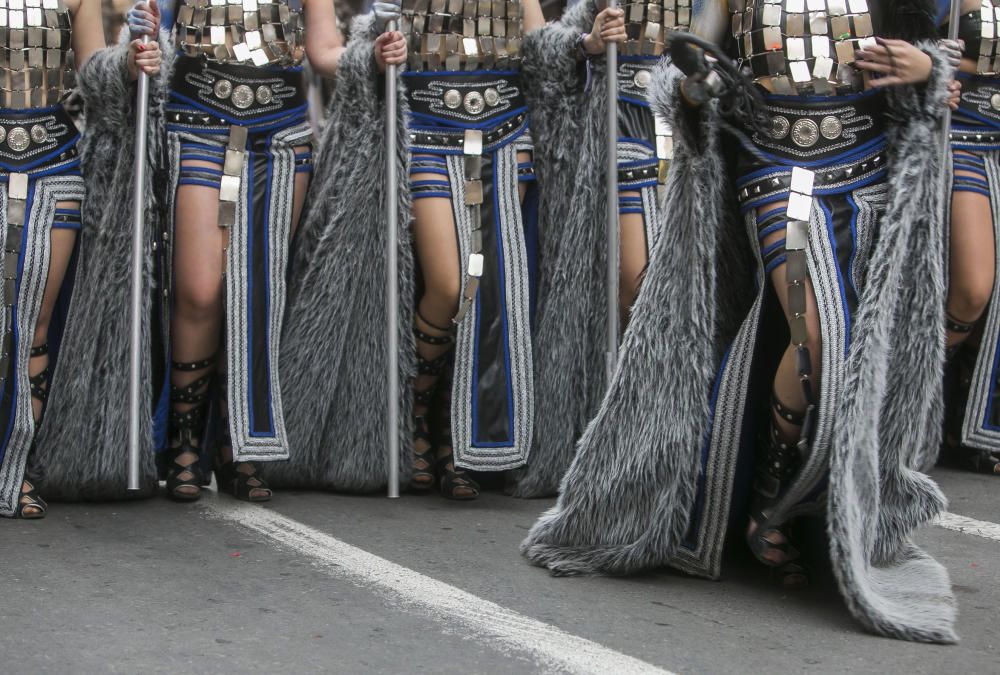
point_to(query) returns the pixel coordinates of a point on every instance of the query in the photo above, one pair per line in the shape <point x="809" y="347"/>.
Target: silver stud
<point x="805" y="133"/>
<point x="18" y="139"/>
<point x="243" y="97"/>
<point x="830" y="127"/>
<point x="223" y="89"/>
<point x="474" y="103"/>
<point x="452" y="99"/>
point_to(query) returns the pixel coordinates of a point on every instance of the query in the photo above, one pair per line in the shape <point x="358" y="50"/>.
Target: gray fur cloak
<point x="629" y="497"/>
<point x="568" y="126"/>
<point x="333" y="356"/>
<point x="83" y="441"/>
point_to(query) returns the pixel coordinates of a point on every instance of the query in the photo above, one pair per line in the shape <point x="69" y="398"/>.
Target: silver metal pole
<point x="391" y="277"/>
<point x="138" y="256"/>
<point x="611" y="58"/>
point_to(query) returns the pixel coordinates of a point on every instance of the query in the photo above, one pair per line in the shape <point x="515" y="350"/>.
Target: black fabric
<point x="61" y="134"/>
<point x="426" y="96"/>
<point x="969" y="29"/>
<point x="288" y="90"/>
<point x="635" y="121"/>
<point x="492" y="412"/>
<point x="260" y="220"/>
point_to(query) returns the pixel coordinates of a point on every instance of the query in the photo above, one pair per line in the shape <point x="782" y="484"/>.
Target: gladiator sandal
<point x="424" y="476"/>
<point x="959" y="367"/>
<point x="243" y="480"/>
<point x="185" y="479"/>
<point x="31" y="506"/>
<point x="455" y="483"/>
<point x="776" y="468"/>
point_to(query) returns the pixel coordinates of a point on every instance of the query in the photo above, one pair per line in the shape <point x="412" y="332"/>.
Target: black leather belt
<point x="25" y="136"/>
<point x="464" y="98"/>
<point x="238" y="91"/>
<point x="819" y="129"/>
<point x="829" y="178"/>
<point x="447" y="139"/>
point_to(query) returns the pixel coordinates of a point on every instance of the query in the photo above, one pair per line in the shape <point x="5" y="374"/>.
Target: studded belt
<point x="826" y="180"/>
<point x="238" y="91"/>
<point x="818" y="129"/>
<point x="25" y="137"/>
<point x="463" y="98"/>
<point x="454" y="140"/>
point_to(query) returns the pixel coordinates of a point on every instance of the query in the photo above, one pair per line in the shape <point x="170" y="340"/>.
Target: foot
<point x="455" y="483"/>
<point x="30" y="506"/>
<point x="771" y="547"/>
<point x="243" y="481"/>
<point x="184" y="478"/>
<point x="259" y="491"/>
<point x="423" y="476"/>
<point x="774" y="549"/>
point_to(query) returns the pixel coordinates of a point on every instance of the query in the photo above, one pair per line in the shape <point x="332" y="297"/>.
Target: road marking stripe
<point x="492" y="624"/>
<point x="978" y="528"/>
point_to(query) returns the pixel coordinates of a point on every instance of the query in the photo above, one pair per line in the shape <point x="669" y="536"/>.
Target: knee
<point x="442" y="297"/>
<point x="198" y="302"/>
<point x="967" y="299"/>
<point x="628" y="290"/>
<point x="41" y="335"/>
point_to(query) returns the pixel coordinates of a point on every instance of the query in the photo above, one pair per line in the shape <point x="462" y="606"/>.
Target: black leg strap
<point x="443" y="329"/>
<point x="39" y="383"/>
<point x="953" y="325"/>
<point x="785" y="413"/>
<point x="194" y="365"/>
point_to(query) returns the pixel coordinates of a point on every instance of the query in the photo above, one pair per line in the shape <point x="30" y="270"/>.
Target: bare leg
<point x="787" y="386"/>
<point x="198" y="304"/>
<point x="437" y="251"/>
<point x="634" y="256"/>
<point x="973" y="257"/>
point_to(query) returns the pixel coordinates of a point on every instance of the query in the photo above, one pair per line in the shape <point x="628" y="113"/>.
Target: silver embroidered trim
<point x="519" y="333"/>
<point x="36" y="246"/>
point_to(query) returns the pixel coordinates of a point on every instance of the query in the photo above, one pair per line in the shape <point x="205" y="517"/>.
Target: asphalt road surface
<point x="323" y="583"/>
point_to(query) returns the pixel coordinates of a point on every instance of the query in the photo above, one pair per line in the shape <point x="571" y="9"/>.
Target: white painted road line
<point x="553" y="648"/>
<point x="978" y="528"/>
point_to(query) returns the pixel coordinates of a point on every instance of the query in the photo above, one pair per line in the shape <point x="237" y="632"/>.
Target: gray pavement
<point x="158" y="587"/>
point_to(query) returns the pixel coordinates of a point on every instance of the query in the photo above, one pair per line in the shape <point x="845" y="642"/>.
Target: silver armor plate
<point x="802" y="47"/>
<point x="249" y="32"/>
<point x="36" y="62"/>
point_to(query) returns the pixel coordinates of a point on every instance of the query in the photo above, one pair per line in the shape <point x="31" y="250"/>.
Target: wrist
<point x="590" y="46"/>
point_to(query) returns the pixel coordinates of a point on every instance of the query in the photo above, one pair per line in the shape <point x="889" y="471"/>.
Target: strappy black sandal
<point x="775" y="469"/>
<point x="184" y="481"/>
<point x="247" y="486"/>
<point x="454" y="483"/>
<point x="30" y="505"/>
<point x="959" y="367"/>
<point x="39" y="383"/>
<point x="30" y="499"/>
<point x="424" y="474"/>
